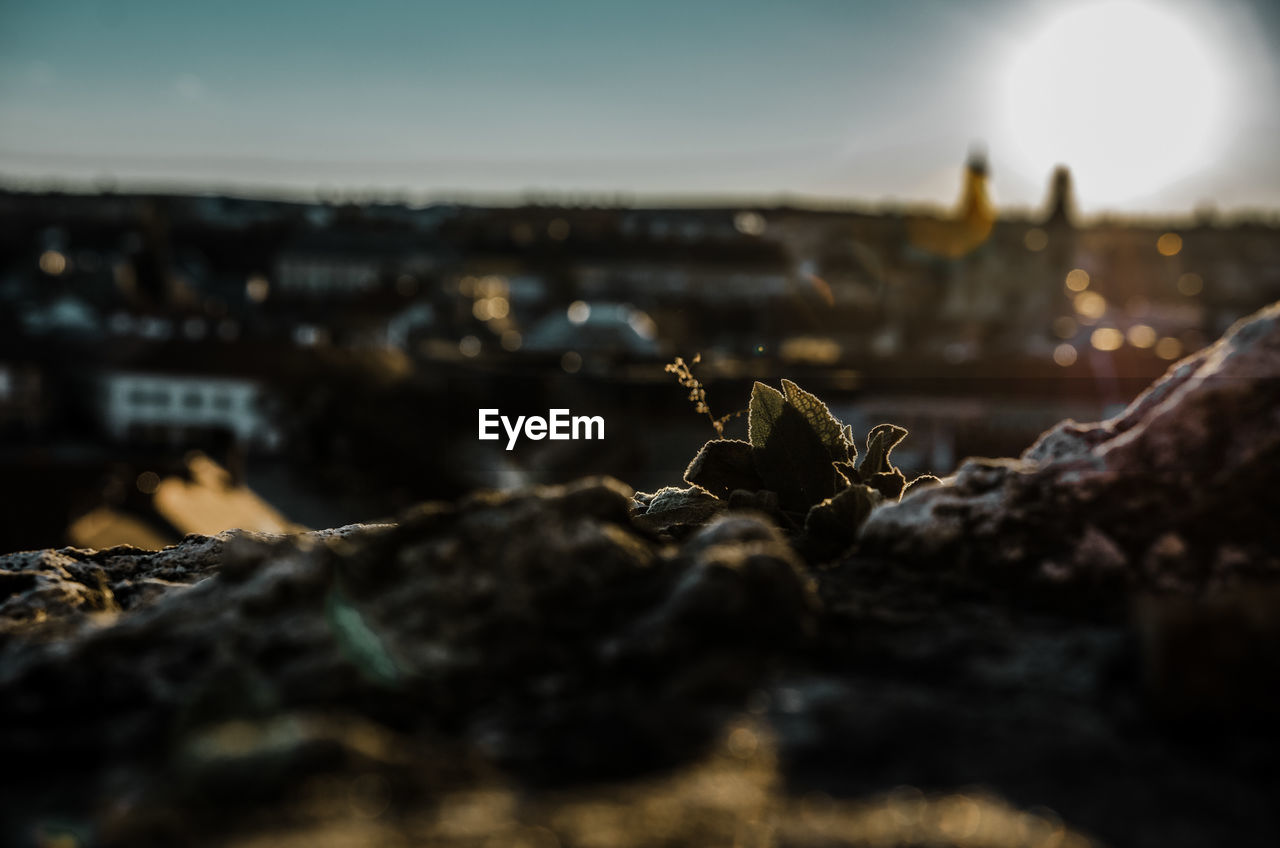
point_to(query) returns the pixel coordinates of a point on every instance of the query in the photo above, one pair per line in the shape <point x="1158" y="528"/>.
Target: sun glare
<point x="1123" y="92"/>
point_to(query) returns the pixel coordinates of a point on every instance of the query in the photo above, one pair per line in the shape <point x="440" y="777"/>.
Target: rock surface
<point x="1076" y="646"/>
<point x="1180" y="491"/>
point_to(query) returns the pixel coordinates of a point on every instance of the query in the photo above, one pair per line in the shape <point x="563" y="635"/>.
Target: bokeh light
<point x="148" y="482"/>
<point x="1078" y="280"/>
<point x="256" y="288"/>
<point x="522" y="233"/>
<point x="1065" y="355"/>
<point x="1141" y="335"/>
<point x="1168" y="348"/>
<point x="571" y="362"/>
<point x="1106" y="339"/>
<point x="1090" y="304"/>
<point x="1190" y="284"/>
<point x="749" y="223"/>
<point x="558" y="229"/>
<point x="53" y="263"/>
<point x="1169" y="244"/>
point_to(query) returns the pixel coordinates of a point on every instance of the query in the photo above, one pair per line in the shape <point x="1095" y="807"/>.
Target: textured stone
<point x="494" y="622"/>
<point x="1152" y="497"/>
<point x="559" y="666"/>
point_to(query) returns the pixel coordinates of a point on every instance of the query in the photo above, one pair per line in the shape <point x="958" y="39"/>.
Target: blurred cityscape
<point x="174" y="364"/>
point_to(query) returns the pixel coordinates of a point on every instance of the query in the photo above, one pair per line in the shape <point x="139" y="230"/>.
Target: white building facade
<point x="132" y="401"/>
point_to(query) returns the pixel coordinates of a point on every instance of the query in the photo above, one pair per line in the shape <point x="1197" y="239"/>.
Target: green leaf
<point x="824" y="424"/>
<point x="794" y="462"/>
<point x="924" y="481"/>
<point x="888" y="483"/>
<point x="838" y="519"/>
<point x="671" y="497"/>
<point x="672" y="507"/>
<point x="762" y="413"/>
<point x="880" y="442"/>
<point x="853" y="445"/>
<point x="848" y="472"/>
<point x="722" y="466"/>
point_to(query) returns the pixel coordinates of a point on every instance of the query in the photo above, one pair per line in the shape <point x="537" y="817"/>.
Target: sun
<point x="1126" y="94"/>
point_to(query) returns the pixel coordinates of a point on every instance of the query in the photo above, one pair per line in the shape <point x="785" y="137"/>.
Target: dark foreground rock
<point x="1077" y="646"/>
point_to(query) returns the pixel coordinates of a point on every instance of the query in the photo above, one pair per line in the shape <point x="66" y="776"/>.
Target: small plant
<point x="697" y="392"/>
<point x="799" y="464"/>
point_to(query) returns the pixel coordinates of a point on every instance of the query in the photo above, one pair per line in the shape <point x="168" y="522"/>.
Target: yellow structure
<point x="970" y="226"/>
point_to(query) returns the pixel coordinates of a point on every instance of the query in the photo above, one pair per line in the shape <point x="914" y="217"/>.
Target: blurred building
<point x="332" y="263"/>
<point x="185" y="408"/>
<point x="330" y="342"/>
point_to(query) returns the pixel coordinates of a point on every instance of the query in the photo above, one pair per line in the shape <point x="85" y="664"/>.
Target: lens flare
<point x="1106" y="88"/>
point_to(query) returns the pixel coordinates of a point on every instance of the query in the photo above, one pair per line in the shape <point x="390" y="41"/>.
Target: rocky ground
<point x="1078" y="646"/>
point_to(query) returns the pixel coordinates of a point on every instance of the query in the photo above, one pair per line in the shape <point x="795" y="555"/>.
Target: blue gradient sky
<point x="869" y="101"/>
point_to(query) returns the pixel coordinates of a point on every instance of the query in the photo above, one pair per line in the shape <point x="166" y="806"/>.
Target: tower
<point x="976" y="208"/>
<point x="1061" y="206"/>
<point x="957" y="235"/>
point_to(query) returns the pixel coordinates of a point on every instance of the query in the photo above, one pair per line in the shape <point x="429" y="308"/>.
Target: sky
<point x="646" y="101"/>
